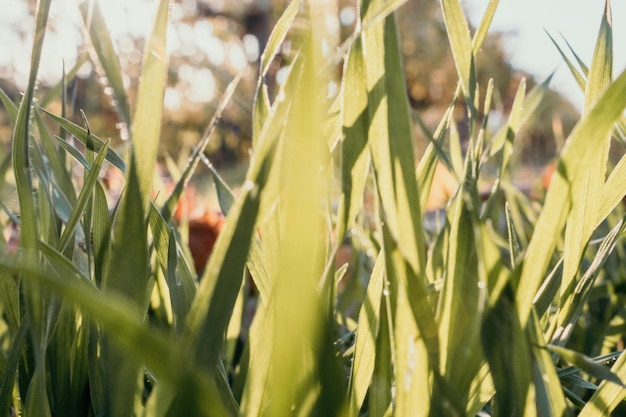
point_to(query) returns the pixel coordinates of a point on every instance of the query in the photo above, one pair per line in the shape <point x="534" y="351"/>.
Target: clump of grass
<point x="102" y="313"/>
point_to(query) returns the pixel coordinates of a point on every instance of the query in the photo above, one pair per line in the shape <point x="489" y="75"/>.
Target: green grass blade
<point x="88" y="139"/>
<point x="483" y="27"/>
<point x="378" y="11"/>
<point x="83" y="198"/>
<point x="56" y="91"/>
<point x="461" y="43"/>
<point x="146" y="127"/>
<point x="181" y="285"/>
<point x="584" y="144"/>
<point x="508" y="354"/>
<point x="14" y="355"/>
<point x="580" y="79"/>
<point x="212" y="306"/>
<point x="355" y="159"/>
<point x="574" y="302"/>
<point x="73" y="152"/>
<point x="21" y="137"/>
<point x="581" y="221"/>
<point x="601" y="69"/>
<point x="586" y="364"/>
<point x="128" y="274"/>
<point x="609" y="395"/>
<point x="365" y="348"/>
<point x="106" y="57"/>
<point x="101" y="229"/>
<point x="10" y="107"/>
<point x="550" y="399"/>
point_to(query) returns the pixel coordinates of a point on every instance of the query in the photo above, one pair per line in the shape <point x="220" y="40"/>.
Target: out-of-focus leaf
<point x="106" y="57"/>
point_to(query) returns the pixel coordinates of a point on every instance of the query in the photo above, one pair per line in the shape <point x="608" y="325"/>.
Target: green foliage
<point x="509" y="306"/>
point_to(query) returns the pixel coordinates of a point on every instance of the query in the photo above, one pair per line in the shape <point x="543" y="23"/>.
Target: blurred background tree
<point x="210" y="41"/>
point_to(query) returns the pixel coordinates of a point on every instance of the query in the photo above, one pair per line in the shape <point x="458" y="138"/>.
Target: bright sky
<point x="577" y="21"/>
<point x="524" y="21"/>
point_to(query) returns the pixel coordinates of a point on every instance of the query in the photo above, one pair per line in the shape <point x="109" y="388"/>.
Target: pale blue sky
<point x="529" y="47"/>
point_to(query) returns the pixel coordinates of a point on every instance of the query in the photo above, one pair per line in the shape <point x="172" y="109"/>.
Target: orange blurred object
<point x="203" y="232"/>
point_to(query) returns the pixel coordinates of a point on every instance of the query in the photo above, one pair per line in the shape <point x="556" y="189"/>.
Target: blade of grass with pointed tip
<point x="146" y="126"/>
<point x="55" y="92"/>
<point x="483" y="28"/>
<point x="274" y="42"/>
<point x="586" y="198"/>
<point x="461" y="44"/>
<point x="580" y="79"/>
<point x="434" y="153"/>
<point x="584" y="144"/>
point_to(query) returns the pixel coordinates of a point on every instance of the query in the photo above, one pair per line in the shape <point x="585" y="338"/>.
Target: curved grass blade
<point x="91" y="141"/>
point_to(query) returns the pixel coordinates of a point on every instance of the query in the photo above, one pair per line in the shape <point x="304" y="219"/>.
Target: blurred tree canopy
<point x="211" y="41"/>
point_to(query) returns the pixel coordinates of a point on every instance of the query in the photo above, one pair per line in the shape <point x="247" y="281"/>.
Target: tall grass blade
<point x="585" y="199"/>
<point x="146" y="127"/>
